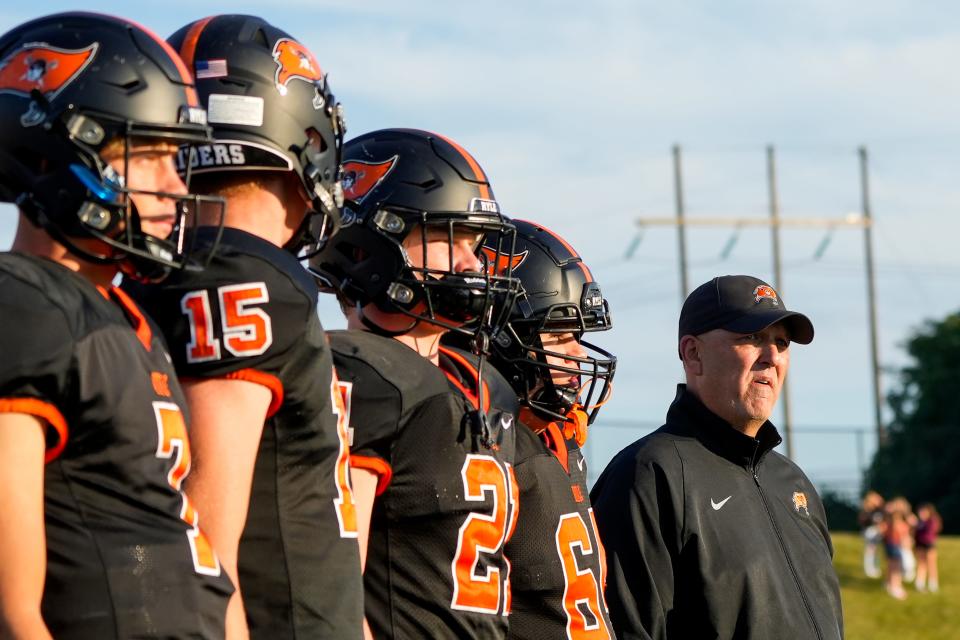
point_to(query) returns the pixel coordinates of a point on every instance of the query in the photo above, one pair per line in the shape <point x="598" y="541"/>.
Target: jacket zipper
<point x="783" y="548"/>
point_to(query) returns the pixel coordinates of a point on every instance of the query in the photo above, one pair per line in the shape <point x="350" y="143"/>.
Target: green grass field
<point x="870" y="614"/>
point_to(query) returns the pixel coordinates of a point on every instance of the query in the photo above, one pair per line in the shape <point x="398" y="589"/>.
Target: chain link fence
<point x="833" y="457"/>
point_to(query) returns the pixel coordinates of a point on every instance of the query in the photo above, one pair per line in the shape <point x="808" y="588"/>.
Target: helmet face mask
<point x="95" y="83"/>
<point x="433" y="287"/>
<point x="417" y="204"/>
<point x="536" y="367"/>
<point x="111" y="215"/>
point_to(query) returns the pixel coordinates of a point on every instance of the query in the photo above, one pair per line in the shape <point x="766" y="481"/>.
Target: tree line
<point x="920" y="457"/>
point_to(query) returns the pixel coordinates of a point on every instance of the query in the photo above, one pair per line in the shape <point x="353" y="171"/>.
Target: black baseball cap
<point x="742" y="304"/>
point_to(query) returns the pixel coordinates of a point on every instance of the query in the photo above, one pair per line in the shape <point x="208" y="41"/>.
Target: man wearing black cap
<point x="710" y="533"/>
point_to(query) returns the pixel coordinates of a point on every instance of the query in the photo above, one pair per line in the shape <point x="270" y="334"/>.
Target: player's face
<point x="150" y="168"/>
<point x="742" y="374"/>
<point x="563" y="347"/>
<point x="438" y="253"/>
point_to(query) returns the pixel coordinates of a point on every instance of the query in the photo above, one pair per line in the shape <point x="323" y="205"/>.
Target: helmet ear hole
<point x="314" y="138"/>
<point x="100" y="218"/>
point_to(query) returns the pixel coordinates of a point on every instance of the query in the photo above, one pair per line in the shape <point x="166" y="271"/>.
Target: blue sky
<point x="572" y="108"/>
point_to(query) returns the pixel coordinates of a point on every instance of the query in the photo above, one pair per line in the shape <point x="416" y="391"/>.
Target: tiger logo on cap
<point x="765" y="292"/>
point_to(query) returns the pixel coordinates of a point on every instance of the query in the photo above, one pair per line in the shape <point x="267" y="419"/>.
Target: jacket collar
<point x="716" y="434"/>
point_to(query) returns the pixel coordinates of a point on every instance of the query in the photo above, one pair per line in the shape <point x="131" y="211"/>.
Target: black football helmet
<point x="71" y="84"/>
<point x="402" y="181"/>
<point x="559" y="296"/>
<point x="271" y="109"/>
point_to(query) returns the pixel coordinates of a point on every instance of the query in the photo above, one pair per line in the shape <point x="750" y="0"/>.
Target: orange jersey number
<point x="203" y="345"/>
<point x="173" y="443"/>
<point x="246" y="331"/>
<point x="582" y="593"/>
<point x="475" y="588"/>
<point x="344" y="505"/>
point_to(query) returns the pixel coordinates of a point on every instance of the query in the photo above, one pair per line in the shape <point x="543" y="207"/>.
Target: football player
<point x="272" y="467"/>
<point x="96" y="538"/>
<point x="561" y="381"/>
<point x="432" y="437"/>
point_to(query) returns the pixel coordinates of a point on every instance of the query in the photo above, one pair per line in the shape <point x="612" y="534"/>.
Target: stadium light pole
<point x="778" y="284"/>
<point x="871" y="294"/>
<point x="681" y="227"/>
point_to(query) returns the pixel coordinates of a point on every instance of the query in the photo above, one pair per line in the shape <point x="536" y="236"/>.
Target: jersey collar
<point x="690" y="415"/>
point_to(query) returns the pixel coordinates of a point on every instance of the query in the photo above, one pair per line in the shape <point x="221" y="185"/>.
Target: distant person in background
<point x="925" y="535"/>
<point x="896" y="533"/>
<point x="709" y="532"/>
<point x="871" y="519"/>
<point x="909" y="559"/>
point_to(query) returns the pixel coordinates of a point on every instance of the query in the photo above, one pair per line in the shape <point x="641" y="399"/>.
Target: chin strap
<point x="301" y="235"/>
<point x="375" y="328"/>
<point x="480" y="425"/>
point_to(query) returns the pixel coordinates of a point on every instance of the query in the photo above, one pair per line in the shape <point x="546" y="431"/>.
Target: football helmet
<point x="403" y="181"/>
<point x="559" y="296"/>
<point x="271" y="109"/>
<point x="71" y="84"/>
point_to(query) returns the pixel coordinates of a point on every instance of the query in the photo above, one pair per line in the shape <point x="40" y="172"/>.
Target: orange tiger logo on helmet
<point x="41" y="67"/>
<point x="360" y="178"/>
<point x="294" y="62"/>
<point x="503" y="261"/>
<point x="44" y="68"/>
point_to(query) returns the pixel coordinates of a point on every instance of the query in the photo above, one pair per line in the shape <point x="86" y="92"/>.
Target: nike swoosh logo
<point x="506" y="421"/>
<point x="719" y="505"/>
<point x="580" y="462"/>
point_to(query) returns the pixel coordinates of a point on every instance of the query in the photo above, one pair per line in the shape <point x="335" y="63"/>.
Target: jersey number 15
<point x="246" y="331"/>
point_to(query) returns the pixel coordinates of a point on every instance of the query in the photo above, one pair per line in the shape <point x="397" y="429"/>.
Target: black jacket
<point x="710" y="534"/>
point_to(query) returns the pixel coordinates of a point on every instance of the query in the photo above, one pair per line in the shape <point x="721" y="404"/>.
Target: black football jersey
<point x="126" y="556"/>
<point x="252" y="315"/>
<point x="559" y="569"/>
<point x="446" y="498"/>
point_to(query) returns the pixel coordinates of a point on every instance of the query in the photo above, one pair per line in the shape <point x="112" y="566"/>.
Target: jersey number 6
<point x="582" y="592"/>
<point x="477" y="588"/>
<point x="246" y="332"/>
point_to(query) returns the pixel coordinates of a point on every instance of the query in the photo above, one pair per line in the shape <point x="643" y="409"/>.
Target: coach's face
<point x="738" y="376"/>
